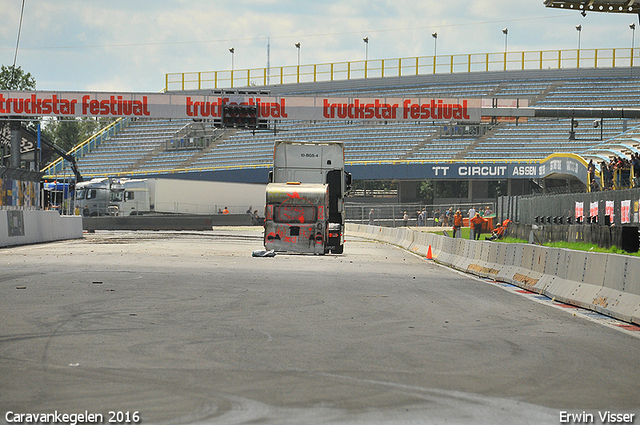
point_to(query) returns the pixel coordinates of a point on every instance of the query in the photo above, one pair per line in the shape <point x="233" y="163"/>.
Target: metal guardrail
<point x="418" y="65"/>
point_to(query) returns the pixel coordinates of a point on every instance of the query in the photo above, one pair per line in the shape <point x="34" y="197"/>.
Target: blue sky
<point x="130" y="45"/>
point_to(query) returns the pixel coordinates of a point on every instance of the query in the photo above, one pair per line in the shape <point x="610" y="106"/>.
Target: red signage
<point x="168" y="105"/>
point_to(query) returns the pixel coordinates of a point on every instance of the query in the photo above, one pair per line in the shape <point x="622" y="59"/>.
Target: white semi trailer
<point x="167" y="196"/>
<point x="318" y="163"/>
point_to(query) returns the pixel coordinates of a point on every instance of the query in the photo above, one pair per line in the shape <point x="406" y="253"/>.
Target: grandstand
<point x="151" y="147"/>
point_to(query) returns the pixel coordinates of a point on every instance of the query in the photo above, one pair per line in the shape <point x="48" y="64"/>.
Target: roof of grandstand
<point x="138" y="147"/>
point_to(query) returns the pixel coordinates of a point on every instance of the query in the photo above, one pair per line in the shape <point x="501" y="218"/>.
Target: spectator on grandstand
<point x="591" y="169"/>
<point x="606" y="175"/>
<point x="225" y="210"/>
<point x="635" y="163"/>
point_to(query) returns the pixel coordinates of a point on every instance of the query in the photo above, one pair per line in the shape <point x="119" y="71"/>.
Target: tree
<point x="14" y="78"/>
<point x="68" y="132"/>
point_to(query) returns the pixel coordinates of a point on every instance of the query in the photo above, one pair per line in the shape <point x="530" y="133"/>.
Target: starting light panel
<point x="240" y="116"/>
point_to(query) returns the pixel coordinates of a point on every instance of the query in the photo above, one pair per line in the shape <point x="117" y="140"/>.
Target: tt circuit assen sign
<point x="181" y="106"/>
<point x="556" y="165"/>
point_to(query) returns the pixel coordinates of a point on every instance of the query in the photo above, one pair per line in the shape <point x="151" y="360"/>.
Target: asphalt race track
<point x="188" y="328"/>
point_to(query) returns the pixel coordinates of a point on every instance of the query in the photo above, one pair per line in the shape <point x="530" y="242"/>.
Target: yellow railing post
<point x="382" y="66"/>
<point x="559" y="59"/>
<point x="282" y="75"/>
<point x="451" y="64"/>
<point x="434" y="64"/>
<point x="540" y="59"/>
<point x="523" y="61"/>
<point x="613" y="60"/>
<point x="215" y="80"/>
<point x="231" y="79"/>
<point x="417" y="65"/>
<point x="315" y="73"/>
<point x="183" y="81"/>
<point x="399" y="67"/>
<point x="199" y="80"/>
<point x="166" y="82"/>
<point x="264" y="77"/>
<point x="248" y="77"/>
<point x="469" y="63"/>
<point x="332" y="72"/>
<point x="298" y="74"/>
<point x="486" y="57"/>
<point x="595" y="59"/>
<point x="578" y="59"/>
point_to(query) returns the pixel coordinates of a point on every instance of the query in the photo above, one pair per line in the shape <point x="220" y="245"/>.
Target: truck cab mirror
<point x="347" y="181"/>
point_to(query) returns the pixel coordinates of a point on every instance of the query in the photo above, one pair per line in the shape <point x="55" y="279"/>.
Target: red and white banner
<point x="625" y="212"/>
<point x="179" y="106"/>
<point x="579" y="210"/>
<point x="593" y="209"/>
<point x="609" y="208"/>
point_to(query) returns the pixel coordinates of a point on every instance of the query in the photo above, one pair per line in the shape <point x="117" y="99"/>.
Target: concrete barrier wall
<point x="165" y="222"/>
<point x="22" y="227"/>
<point x="606" y="283"/>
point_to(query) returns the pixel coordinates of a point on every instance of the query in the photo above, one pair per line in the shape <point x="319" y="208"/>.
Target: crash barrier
<point x="165" y="222"/>
<point x="22" y="227"/>
<point x="606" y="283"/>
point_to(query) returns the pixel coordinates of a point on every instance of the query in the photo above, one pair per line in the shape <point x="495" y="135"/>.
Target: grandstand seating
<point x="142" y="146"/>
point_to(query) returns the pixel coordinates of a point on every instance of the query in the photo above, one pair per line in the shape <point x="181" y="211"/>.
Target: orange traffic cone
<point x="429" y="255"/>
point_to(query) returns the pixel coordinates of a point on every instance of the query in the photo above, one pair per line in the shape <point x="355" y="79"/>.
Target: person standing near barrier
<point x="476" y="222"/>
<point x="472" y="213"/>
<point x="371" y="217"/>
<point x="405" y="219"/>
<point x="457" y="224"/>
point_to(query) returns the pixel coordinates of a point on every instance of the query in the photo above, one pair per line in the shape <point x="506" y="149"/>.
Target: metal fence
<point x="555" y="209"/>
<point x="396" y="67"/>
<point x="391" y="215"/>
